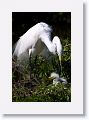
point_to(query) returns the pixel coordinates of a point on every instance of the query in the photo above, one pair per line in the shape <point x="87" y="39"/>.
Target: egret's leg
<point x="30" y="63"/>
<point x="35" y="63"/>
<point x="53" y="62"/>
<point x="35" y="60"/>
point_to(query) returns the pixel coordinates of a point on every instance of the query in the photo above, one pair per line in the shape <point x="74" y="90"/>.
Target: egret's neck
<point x="51" y="47"/>
<point x="46" y="40"/>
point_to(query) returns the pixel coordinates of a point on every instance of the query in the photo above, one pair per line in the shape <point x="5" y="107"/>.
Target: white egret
<point x="32" y="40"/>
<point x="58" y="48"/>
<point x="56" y="79"/>
<point x="36" y="40"/>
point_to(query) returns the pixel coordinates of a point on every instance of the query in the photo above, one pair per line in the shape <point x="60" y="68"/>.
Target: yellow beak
<point x="60" y="59"/>
<point x="51" y="78"/>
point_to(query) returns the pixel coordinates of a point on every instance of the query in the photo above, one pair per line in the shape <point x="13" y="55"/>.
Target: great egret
<point x="36" y="40"/>
<point x="32" y="40"/>
<point x="56" y="79"/>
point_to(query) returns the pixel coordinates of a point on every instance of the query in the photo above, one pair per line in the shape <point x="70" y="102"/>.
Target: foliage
<point x="43" y="93"/>
<point x="39" y="87"/>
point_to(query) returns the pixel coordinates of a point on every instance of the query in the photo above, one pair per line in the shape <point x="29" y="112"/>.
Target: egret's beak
<point x="51" y="78"/>
<point x="59" y="63"/>
<point x="60" y="59"/>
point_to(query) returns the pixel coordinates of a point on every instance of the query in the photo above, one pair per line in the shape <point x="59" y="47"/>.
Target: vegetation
<point x="39" y="87"/>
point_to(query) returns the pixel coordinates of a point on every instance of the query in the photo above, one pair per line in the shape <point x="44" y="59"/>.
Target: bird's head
<point x="46" y="27"/>
<point x="56" y="79"/>
<point x="58" y="46"/>
<point x="54" y="76"/>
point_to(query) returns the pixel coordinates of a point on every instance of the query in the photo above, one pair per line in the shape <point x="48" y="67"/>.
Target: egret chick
<point x="56" y="79"/>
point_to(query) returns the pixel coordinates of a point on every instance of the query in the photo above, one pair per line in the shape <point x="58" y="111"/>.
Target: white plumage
<point x="57" y="79"/>
<point x="37" y="41"/>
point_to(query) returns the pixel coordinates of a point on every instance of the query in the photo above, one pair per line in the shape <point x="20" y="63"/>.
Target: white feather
<point x="57" y="79"/>
<point x="37" y="41"/>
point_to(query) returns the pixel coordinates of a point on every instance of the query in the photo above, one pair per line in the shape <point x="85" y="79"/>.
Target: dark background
<point x="60" y="22"/>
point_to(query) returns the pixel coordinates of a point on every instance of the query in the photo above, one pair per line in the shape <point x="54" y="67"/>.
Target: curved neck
<point x="46" y="40"/>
